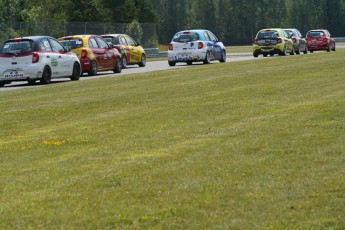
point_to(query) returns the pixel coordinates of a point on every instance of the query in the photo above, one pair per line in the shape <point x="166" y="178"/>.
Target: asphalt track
<point x="135" y="69"/>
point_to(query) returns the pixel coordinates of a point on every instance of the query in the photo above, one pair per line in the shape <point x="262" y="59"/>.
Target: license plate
<point x="13" y="75"/>
<point x="266" y="51"/>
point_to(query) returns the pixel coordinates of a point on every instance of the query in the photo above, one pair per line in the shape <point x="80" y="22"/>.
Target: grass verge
<point x="243" y="145"/>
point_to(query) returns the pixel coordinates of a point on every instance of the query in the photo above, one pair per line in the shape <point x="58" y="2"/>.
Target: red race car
<point x="320" y="40"/>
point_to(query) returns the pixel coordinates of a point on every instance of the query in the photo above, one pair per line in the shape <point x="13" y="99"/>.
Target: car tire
<point x="124" y="62"/>
<point x="284" y="52"/>
<point x="46" y="75"/>
<point x="93" y="69"/>
<point x="223" y="59"/>
<point x="256" y="55"/>
<point x="333" y="48"/>
<point x="76" y="72"/>
<point x="172" y="63"/>
<point x="311" y="51"/>
<point x="298" y="52"/>
<point x="143" y="61"/>
<point x="118" y="65"/>
<point x="305" y="50"/>
<point x="2" y="84"/>
<point x="207" y="58"/>
<point x="265" y="55"/>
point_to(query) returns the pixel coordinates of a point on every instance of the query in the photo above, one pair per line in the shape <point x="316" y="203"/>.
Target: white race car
<point x="36" y="58"/>
<point x="195" y="46"/>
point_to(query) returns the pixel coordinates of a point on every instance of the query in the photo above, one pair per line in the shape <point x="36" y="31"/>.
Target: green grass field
<point x="243" y="145"/>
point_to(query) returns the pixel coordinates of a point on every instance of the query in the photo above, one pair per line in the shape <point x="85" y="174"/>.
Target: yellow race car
<point x="133" y="51"/>
<point x="272" y="41"/>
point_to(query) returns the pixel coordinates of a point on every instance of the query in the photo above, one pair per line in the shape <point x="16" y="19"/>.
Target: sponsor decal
<point x="54" y="62"/>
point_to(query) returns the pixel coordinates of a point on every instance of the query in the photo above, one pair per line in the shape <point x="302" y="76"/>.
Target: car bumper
<point x="186" y="57"/>
<point x="268" y="50"/>
<point x="21" y="74"/>
<point x="319" y="46"/>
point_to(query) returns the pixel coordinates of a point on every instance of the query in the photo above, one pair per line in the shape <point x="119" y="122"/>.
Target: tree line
<point x="234" y="21"/>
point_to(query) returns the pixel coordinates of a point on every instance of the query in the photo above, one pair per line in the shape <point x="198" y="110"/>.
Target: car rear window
<point x="267" y="34"/>
<point x="186" y="37"/>
<point x="72" y="43"/>
<point x="17" y="47"/>
<point x="315" y="34"/>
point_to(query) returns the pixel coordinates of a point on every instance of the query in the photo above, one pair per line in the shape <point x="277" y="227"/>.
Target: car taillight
<point x="35" y="57"/>
<point x="200" y="45"/>
<point x="294" y="40"/>
<point x="255" y="41"/>
<point x="280" y="40"/>
<point x="171" y="46"/>
<point x="83" y="53"/>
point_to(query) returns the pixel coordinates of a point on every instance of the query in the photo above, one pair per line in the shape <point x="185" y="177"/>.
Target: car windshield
<point x="267" y="34"/>
<point x="315" y="34"/>
<point x="17" y="47"/>
<point x="186" y="37"/>
<point x="72" y="43"/>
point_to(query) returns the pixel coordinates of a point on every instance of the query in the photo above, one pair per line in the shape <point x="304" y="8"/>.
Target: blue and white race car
<point x="195" y="46"/>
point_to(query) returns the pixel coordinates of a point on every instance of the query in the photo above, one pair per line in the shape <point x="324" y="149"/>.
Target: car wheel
<point x="207" y="58"/>
<point x="333" y="48"/>
<point x="93" y="69"/>
<point x="76" y="72"/>
<point x="284" y="52"/>
<point x="305" y="50"/>
<point x="311" y="51"/>
<point x="189" y="62"/>
<point x="46" y="75"/>
<point x="272" y="55"/>
<point x="172" y="63"/>
<point x="143" y="61"/>
<point x="118" y="66"/>
<point x="223" y="59"/>
<point x="265" y="55"/>
<point x="298" y="50"/>
<point x="124" y="62"/>
<point x="2" y="84"/>
<point x="256" y="55"/>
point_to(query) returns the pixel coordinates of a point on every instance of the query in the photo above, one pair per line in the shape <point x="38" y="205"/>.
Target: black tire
<point x="265" y="55"/>
<point x="256" y="55"/>
<point x="305" y="50"/>
<point x="76" y="72"/>
<point x="46" y="75"/>
<point x="207" y="58"/>
<point x="2" y="84"/>
<point x="333" y="48"/>
<point x="223" y="59"/>
<point x="143" y="61"/>
<point x="311" y="51"/>
<point x="298" y="52"/>
<point x="189" y="62"/>
<point x="93" y="69"/>
<point x="118" y="65"/>
<point x="124" y="61"/>
<point x="284" y="52"/>
<point x="272" y="54"/>
<point x="172" y="63"/>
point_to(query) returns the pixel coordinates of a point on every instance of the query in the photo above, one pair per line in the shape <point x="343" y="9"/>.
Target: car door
<point x="133" y="48"/>
<point x="65" y="61"/>
<point x="53" y="58"/>
<point x="98" y="52"/>
<point x="124" y="44"/>
<point x="216" y="45"/>
<point x="109" y="53"/>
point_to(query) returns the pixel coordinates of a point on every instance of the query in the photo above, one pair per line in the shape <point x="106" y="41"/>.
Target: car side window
<point x="131" y="41"/>
<point x="44" y="45"/>
<point x="102" y="44"/>
<point x="56" y="46"/>
<point x="93" y="43"/>
<point x="207" y="38"/>
<point x="212" y="36"/>
<point x="123" y="41"/>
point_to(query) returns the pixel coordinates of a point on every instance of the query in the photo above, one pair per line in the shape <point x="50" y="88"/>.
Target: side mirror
<point x="111" y="46"/>
<point x="67" y="49"/>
